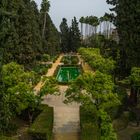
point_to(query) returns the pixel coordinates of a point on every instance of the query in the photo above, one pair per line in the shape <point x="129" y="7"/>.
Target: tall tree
<point x="50" y="35"/>
<point x="45" y="5"/>
<point x="75" y="35"/>
<point x="96" y="89"/>
<point x="81" y="21"/>
<point x="127" y="15"/>
<point x="64" y="29"/>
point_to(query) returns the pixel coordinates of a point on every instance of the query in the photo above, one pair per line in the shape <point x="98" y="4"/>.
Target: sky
<point x="69" y="8"/>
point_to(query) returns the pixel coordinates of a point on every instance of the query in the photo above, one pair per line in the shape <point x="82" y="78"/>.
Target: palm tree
<point x="81" y="21"/>
<point x="101" y="19"/>
<point x="45" y="9"/>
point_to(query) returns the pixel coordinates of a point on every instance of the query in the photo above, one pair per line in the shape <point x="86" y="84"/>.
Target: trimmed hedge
<point x="96" y="61"/>
<point x="87" y="124"/>
<point x="42" y="127"/>
<point x="70" y="60"/>
<point x="135" y="136"/>
<point x="7" y="138"/>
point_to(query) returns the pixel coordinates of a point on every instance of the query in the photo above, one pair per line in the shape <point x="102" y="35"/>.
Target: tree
<point x="17" y="94"/>
<point x="81" y="21"/>
<point x="96" y="89"/>
<point x="64" y="35"/>
<point x="16" y="91"/>
<point x="74" y="35"/>
<point x="96" y="61"/>
<point x="45" y="5"/>
<point x="50" y="35"/>
<point x="20" y="38"/>
<point x="70" y="36"/>
<point x="127" y="15"/>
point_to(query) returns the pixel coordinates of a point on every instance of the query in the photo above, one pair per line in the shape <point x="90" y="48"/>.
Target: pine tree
<point x="64" y="35"/>
<point x="75" y="35"/>
<point x="128" y="25"/>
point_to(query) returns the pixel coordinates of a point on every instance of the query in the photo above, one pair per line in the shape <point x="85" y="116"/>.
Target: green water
<point x="66" y="74"/>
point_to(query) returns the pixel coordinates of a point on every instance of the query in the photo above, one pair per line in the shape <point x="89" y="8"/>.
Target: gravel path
<point x="66" y="116"/>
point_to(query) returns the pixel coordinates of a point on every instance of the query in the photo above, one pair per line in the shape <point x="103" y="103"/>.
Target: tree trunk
<point x="30" y="115"/>
<point x="44" y="25"/>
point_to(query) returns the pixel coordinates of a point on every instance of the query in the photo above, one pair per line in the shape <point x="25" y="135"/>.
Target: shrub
<point x="96" y="61"/>
<point x="46" y="57"/>
<point x="88" y="131"/>
<point x="70" y="60"/>
<point x="87" y="123"/>
<point x="7" y="138"/>
<point x="122" y="122"/>
<point x="42" y="127"/>
<point x="41" y="69"/>
<point x="135" y="136"/>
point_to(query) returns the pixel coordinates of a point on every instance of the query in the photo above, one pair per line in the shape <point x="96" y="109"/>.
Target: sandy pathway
<point x="49" y="73"/>
<point x="66" y="117"/>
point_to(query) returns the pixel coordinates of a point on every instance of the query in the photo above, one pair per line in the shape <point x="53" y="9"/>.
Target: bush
<point x="41" y="69"/>
<point x="122" y="122"/>
<point x="135" y="136"/>
<point x="96" y="61"/>
<point x="42" y="127"/>
<point x="70" y="60"/>
<point x="7" y="138"/>
<point x="46" y="57"/>
<point x="88" y="131"/>
<point x="116" y="111"/>
<point x="87" y="123"/>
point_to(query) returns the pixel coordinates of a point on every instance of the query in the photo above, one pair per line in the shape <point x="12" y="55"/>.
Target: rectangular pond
<point x="66" y="74"/>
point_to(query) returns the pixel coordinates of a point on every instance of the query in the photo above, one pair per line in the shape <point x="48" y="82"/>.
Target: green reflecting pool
<point x="66" y="74"/>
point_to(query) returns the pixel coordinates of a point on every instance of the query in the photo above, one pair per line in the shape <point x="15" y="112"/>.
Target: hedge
<point x="87" y="124"/>
<point x="135" y="136"/>
<point x="7" y="138"/>
<point x="96" y="61"/>
<point x="42" y="127"/>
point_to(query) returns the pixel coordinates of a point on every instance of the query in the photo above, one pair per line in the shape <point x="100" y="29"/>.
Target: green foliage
<point x="49" y="87"/>
<point x="21" y="27"/>
<point x="50" y="35"/>
<point x="70" y="60"/>
<point x="88" y="123"/>
<point x="135" y="136"/>
<point x="17" y="93"/>
<point x="46" y="57"/>
<point x="106" y="128"/>
<point x="96" y="61"/>
<point x="129" y="41"/>
<point x="7" y="138"/>
<point x="75" y="41"/>
<point x="135" y="76"/>
<point x="121" y="122"/>
<point x="96" y="89"/>
<point x="41" y="69"/>
<point x="70" y="36"/>
<point x="116" y="111"/>
<point x="64" y="35"/>
<point x="42" y="127"/>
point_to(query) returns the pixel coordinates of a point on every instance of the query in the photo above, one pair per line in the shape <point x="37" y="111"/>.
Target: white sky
<point x="78" y="8"/>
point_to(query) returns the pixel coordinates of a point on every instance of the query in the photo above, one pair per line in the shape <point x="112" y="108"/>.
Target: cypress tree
<point x="64" y="35"/>
<point x="128" y="27"/>
<point x="75" y="35"/>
